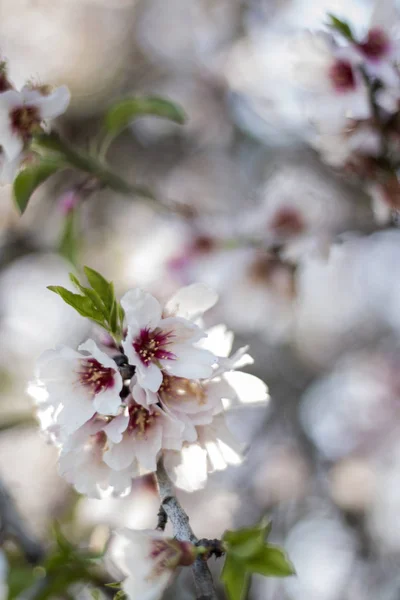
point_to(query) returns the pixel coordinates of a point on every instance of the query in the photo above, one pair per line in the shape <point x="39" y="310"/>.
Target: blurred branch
<point x="183" y="531"/>
<point x="13" y="527"/>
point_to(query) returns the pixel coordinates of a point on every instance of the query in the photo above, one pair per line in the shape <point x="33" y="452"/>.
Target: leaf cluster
<point x="247" y="552"/>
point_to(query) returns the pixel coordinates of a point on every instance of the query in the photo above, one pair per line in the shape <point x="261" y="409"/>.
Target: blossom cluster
<point x="24" y="113"/>
<point x="164" y="395"/>
<point x="355" y="85"/>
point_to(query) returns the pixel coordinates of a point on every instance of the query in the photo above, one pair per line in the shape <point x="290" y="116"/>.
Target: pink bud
<point x="68" y="201"/>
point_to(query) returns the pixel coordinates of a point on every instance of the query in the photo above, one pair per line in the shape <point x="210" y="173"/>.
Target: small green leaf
<point x="235" y="578"/>
<point x="104" y="288"/>
<point x="96" y="595"/>
<point x="29" y="179"/>
<point x="81" y="304"/>
<point x="120" y="595"/>
<point x="115" y="585"/>
<point x="341" y="26"/>
<point x="124" y="112"/>
<point x="248" y="540"/>
<point x="270" y="561"/>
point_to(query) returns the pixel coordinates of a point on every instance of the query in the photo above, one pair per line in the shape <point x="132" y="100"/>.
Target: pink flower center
<point x="164" y="555"/>
<point x="151" y="345"/>
<point x="95" y="376"/>
<point x="140" y="419"/>
<point x="287" y="222"/>
<point x="376" y="45"/>
<point x="24" y="119"/>
<point x="342" y="76"/>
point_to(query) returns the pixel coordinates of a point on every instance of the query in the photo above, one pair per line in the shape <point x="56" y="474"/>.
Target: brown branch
<point x="13" y="527"/>
<point x="180" y="521"/>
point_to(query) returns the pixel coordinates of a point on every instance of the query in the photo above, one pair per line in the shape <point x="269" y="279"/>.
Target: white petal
<point x="142" y="308"/>
<point x="147" y="447"/>
<point x="108" y="401"/>
<point x="142" y="396"/>
<point x="249" y="388"/>
<point x="103" y="358"/>
<point x="150" y="377"/>
<point x="192" y="363"/>
<point x="54" y="104"/>
<point x="187" y="469"/>
<point x="120" y="456"/>
<point x="76" y="412"/>
<point x="192" y="301"/>
<point x="115" y="428"/>
<point x="219" y="340"/>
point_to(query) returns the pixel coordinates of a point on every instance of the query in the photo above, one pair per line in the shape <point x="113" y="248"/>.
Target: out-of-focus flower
<point x="79" y="385"/>
<point x="158" y="340"/>
<point x="149" y="559"/>
<point x="22" y="114"/>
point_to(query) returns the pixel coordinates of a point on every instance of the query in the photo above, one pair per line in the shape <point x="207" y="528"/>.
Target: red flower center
<point x="342" y="76"/>
<point x="376" y="45"/>
<point x="24" y="119"/>
<point x="287" y="222"/>
<point x="95" y="376"/>
<point x="140" y="419"/>
<point x="151" y="345"/>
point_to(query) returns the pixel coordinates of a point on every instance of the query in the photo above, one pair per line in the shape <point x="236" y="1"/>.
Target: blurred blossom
<point x="324" y="554"/>
<point x="333" y="306"/>
<point x="32" y="313"/>
<point x="353" y="405"/>
<point x="353" y="484"/>
<point x="283" y="476"/>
<point x="180" y="35"/>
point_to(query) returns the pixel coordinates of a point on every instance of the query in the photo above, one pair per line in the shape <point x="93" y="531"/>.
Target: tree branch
<point x="180" y="522"/>
<point x="13" y="527"/>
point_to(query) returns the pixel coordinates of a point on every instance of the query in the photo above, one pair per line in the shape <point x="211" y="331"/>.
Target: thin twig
<point x="180" y="521"/>
<point x="13" y="527"/>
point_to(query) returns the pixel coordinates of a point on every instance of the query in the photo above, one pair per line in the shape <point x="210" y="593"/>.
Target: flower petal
<point x="192" y="301"/>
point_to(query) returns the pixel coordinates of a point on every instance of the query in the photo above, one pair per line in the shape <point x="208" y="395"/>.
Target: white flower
<point x="22" y="113"/>
<point x="149" y="559"/>
<point x="78" y="385"/>
<point x="81" y="463"/>
<point x="158" y="340"/>
<point x="201" y="405"/>
<point x="138" y="435"/>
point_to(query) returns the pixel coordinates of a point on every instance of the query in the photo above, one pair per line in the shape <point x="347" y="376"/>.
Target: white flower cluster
<point x="22" y="114"/>
<point x="353" y="87"/>
<point x="173" y="403"/>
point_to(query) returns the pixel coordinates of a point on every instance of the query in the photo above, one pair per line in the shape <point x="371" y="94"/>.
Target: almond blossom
<point x="22" y="114"/>
<point x="160" y="340"/>
<point x="81" y="463"/>
<point x="78" y="385"/>
<point x="149" y="559"/>
<point x="139" y="434"/>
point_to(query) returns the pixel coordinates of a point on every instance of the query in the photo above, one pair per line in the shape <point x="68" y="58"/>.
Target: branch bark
<point x="13" y="527"/>
<point x="180" y="521"/>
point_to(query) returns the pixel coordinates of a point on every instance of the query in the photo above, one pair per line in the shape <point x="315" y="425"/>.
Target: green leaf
<point x="95" y="594"/>
<point x="248" y="540"/>
<point x="30" y="178"/>
<point x="120" y="595"/>
<point x="341" y="26"/>
<point x="104" y="288"/>
<point x="235" y="578"/>
<point x="124" y="112"/>
<point x="270" y="561"/>
<point x="68" y="245"/>
<point x="83" y="305"/>
<point x="115" y="585"/>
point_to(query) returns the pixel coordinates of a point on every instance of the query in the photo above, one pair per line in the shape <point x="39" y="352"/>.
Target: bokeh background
<point x="304" y="272"/>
